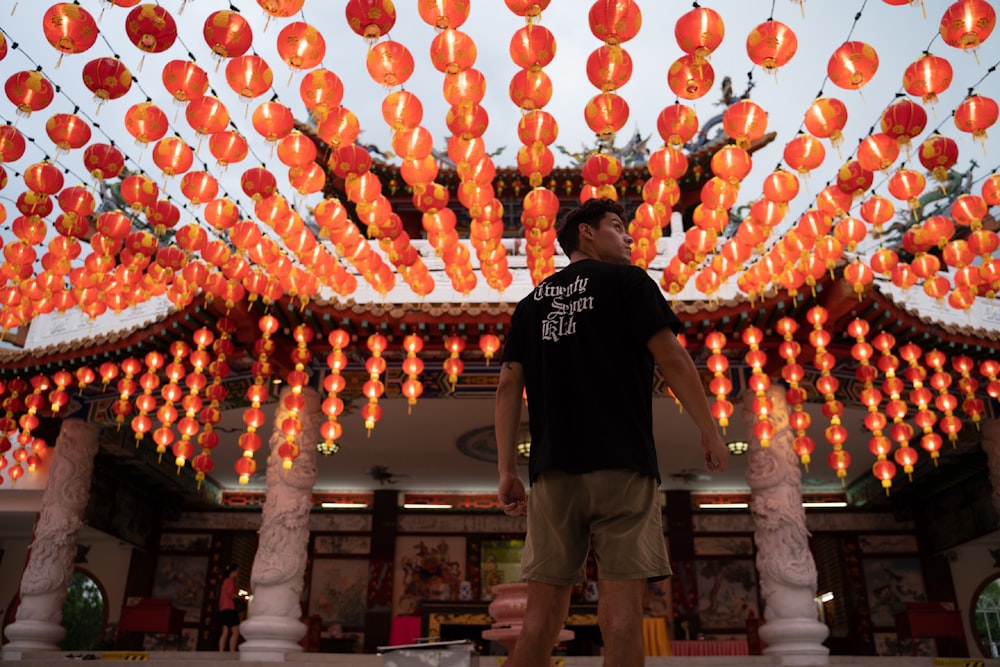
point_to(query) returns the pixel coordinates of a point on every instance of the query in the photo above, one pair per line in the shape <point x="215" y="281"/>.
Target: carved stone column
<point x="787" y="570"/>
<point x="274" y="627"/>
<point x="53" y="546"/>
<point x="991" y="445"/>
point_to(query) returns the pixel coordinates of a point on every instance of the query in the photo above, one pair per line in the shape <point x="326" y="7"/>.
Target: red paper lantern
<point x="321" y="90"/>
<point x="927" y="77"/>
<point x="614" y="21"/>
<point x="258" y="183"/>
<point x="69" y="28"/>
<point x="967" y="23"/>
<point x="532" y="47"/>
<point x="301" y="45"/>
<point x="852" y="65"/>
<point x="151" y="28"/>
<point x="29" y="91"/>
<point x="991" y="189"/>
<point x="173" y="155"/>
<point x="443" y="14"/>
<point x="281" y="9"/>
<point x="401" y="110"/>
<point x="877" y="152"/>
<point x="107" y="78"/>
<point x="207" y="115"/>
<point x="390" y="63"/>
<point x="227" y="33"/>
<point x="272" y="120"/>
<point x="370" y="18"/>
<point x="781" y="186"/>
<point x="228" y="147"/>
<point x="199" y="187"/>
<point x="804" y="153"/>
<point x="67" y="131"/>
<point x="904" y="120"/>
<point x="688" y="79"/>
<point x="43" y="177"/>
<point x="771" y="45"/>
<point x="677" y="124"/>
<point x="938" y="154"/>
<point x="825" y="118"/>
<point x="339" y="128"/>
<point x="249" y="76"/>
<point x="609" y="68"/>
<point x="975" y="114"/>
<point x="146" y="122"/>
<point x="731" y="163"/>
<point x="699" y="32"/>
<point x="103" y="160"/>
<point x="453" y="51"/>
<point x="744" y="122"/>
<point x="606" y="114"/>
<point x="184" y="80"/>
<point x="530" y="89"/>
<point x="538" y="126"/>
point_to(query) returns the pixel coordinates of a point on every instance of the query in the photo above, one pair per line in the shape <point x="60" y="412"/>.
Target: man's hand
<point x="513" y="499"/>
<point x="716" y="452"/>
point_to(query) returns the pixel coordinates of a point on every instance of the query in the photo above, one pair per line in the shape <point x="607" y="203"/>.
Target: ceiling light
<point x="425" y="506"/>
<point x="826" y="503"/>
<point x="723" y="506"/>
<point x="737" y="447"/>
<point x="524" y="448"/>
<point x="344" y="506"/>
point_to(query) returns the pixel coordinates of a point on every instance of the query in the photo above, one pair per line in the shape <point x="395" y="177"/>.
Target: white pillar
<point x="53" y="546"/>
<point x="787" y="570"/>
<point x="274" y="627"/>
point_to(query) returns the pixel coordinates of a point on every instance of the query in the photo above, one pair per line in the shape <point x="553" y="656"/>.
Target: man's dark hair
<point x="232" y="568"/>
<point x="588" y="213"/>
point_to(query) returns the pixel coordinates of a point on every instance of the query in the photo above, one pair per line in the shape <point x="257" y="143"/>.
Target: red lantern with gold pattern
<point x="877" y="152"/>
<point x="272" y="120"/>
<point x="69" y="28"/>
<point x="207" y="115"/>
<point x="731" y="164"/>
<point x="907" y="185"/>
<point x="307" y="179"/>
<point x="927" y="77"/>
<point x="804" y="153"/>
<point x="825" y="118"/>
<point x="227" y="33"/>
<point x="281" y="8"/>
<point x="967" y="23"/>
<point x="350" y="161"/>
<point x="258" y="183"/>
<point x="688" y="79"/>
<point x="340" y="127"/>
<point x="249" y="76"/>
<point x="699" y="32"/>
<point x="452" y="51"/>
<point x="609" y="68"/>
<point x="538" y="126"/>
<point x="904" y="120"/>
<point x="370" y="18"/>
<point x="530" y="89"/>
<point x="744" y="122"/>
<point x="184" y="80"/>
<point x="401" y="110"/>
<point x="29" y="91"/>
<point x="975" y="114"/>
<point x="296" y="149"/>
<point x="228" y="147"/>
<point x="467" y="122"/>
<point x="107" y="78"/>
<point x="606" y="114"/>
<point x="677" y="124"/>
<point x="173" y="155"/>
<point x="151" y="28"/>
<point x="852" y="65"/>
<point x="877" y="211"/>
<point x="854" y="179"/>
<point x="390" y="63"/>
<point x="103" y="161"/>
<point x="146" y="122"/>
<point x="43" y="177"/>
<point x="601" y="169"/>
<point x="321" y="90"/>
<point x="771" y="45"/>
<point x="532" y="47"/>
<point x="781" y="186"/>
<point x="535" y="162"/>
<point x="614" y="21"/>
<point x="443" y="14"/>
<point x="12" y="144"/>
<point x="301" y="45"/>
<point x="991" y="190"/>
<point x="938" y="154"/>
<point x="464" y="88"/>
<point x="199" y="187"/>
<point x="139" y="192"/>
<point x="68" y="131"/>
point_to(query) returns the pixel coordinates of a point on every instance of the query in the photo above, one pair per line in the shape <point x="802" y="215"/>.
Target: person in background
<point x="583" y="344"/>
<point x="229" y="618"/>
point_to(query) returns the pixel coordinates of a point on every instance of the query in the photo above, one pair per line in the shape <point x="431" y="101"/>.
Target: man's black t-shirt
<point x="581" y="337"/>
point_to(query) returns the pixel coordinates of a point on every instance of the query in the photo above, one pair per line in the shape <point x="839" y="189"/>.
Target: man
<point x="583" y="344"/>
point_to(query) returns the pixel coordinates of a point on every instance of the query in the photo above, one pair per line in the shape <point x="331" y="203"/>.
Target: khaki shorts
<point x="614" y="512"/>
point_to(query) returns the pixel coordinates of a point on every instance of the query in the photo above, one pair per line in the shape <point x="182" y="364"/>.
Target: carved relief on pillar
<point x="783" y="557"/>
<point x="53" y="547"/>
<point x="279" y="566"/>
